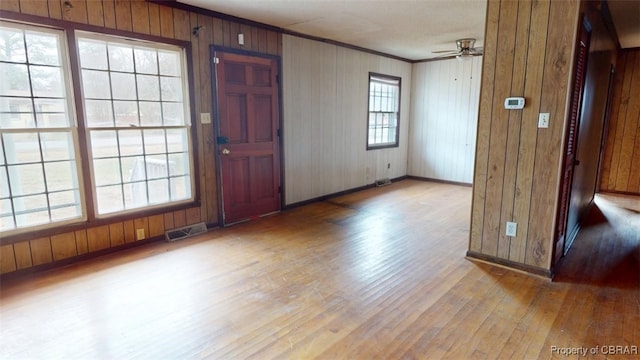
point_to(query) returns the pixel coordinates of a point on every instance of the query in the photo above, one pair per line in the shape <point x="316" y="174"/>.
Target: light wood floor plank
<point x="377" y="274"/>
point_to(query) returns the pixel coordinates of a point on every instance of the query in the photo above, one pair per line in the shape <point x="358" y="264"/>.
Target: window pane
<point x="4" y="183"/>
<point x="178" y="164"/>
<point x="148" y="87"/>
<point x="109" y="199"/>
<point x="60" y="175"/>
<point x="16" y="113"/>
<point x="6" y="215"/>
<point x="99" y="113"/>
<point x="31" y="210"/>
<point x="93" y="54"/>
<point x="120" y="58"/>
<point x="180" y="188"/>
<point x="15" y="80"/>
<point x="104" y="144"/>
<point x="126" y="113"/>
<point x="177" y="140"/>
<point x="171" y="89"/>
<point x="173" y="113"/>
<point x="146" y="61"/>
<point x="169" y="63"/>
<point x="95" y="84"/>
<point x="65" y="205"/>
<point x="12" y="45"/>
<point x="133" y="168"/>
<point x="42" y="48"/>
<point x="50" y="113"/>
<point x="136" y="195"/>
<point x="130" y="142"/>
<point x="158" y="191"/>
<point x="21" y="147"/>
<point x="124" y="86"/>
<point x="26" y="179"/>
<point x="107" y="171"/>
<point x="57" y="146"/>
<point x="157" y="166"/>
<point x="150" y="114"/>
<point x="154" y="142"/>
<point x="15" y="105"/>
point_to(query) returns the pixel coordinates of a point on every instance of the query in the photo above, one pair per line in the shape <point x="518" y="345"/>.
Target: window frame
<point x="90" y="219"/>
<point x="71" y="129"/>
<point x="396" y="142"/>
<point x="188" y="122"/>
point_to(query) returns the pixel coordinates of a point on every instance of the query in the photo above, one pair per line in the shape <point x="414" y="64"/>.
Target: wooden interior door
<point x="570" y="160"/>
<point x="248" y="141"/>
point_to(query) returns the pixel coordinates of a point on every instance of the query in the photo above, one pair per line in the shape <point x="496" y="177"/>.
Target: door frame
<point x="562" y="240"/>
<point x="213" y="49"/>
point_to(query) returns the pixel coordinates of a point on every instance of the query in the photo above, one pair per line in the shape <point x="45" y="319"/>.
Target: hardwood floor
<point x="375" y="274"/>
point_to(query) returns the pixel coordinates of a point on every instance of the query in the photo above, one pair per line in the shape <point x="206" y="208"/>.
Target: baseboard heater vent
<point x="185" y="232"/>
<point x="383" y="182"/>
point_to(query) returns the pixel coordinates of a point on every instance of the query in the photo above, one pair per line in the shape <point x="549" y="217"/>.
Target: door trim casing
<point x="213" y="49"/>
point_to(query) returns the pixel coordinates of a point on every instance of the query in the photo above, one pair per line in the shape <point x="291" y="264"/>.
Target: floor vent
<point x="185" y="232"/>
<point x="383" y="182"/>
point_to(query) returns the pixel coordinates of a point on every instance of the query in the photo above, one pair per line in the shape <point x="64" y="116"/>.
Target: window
<point x="137" y="122"/>
<point x="384" y="111"/>
<point x="39" y="182"/>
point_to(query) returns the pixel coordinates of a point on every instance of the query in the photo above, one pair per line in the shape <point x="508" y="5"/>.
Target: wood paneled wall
<point x="621" y="162"/>
<point x="528" y="51"/>
<point x="444" y="116"/>
<point x="141" y="17"/>
<point x="325" y="119"/>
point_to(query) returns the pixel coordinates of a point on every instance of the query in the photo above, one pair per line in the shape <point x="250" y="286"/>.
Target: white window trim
<point x="63" y="52"/>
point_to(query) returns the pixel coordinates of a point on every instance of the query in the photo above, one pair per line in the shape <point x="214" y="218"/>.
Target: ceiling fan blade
<point x="445" y="51"/>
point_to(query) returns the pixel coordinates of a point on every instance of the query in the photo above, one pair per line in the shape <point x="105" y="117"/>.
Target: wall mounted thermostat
<point x="514" y="103"/>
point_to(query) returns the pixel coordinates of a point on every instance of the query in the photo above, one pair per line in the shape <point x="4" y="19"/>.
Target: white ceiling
<point x="410" y="29"/>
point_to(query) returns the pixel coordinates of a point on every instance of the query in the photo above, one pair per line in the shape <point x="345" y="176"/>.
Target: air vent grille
<point x="185" y="232"/>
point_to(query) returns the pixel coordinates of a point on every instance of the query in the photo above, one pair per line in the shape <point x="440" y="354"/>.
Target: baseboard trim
<point x="336" y="194"/>
<point x="511" y="265"/>
<point x="412" y="177"/>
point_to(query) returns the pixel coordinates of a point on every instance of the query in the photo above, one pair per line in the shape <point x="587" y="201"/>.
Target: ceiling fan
<point x="465" y="49"/>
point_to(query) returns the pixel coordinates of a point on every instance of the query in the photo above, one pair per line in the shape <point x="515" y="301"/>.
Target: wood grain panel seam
<point x="535" y="157"/>
<point x="490" y="117"/>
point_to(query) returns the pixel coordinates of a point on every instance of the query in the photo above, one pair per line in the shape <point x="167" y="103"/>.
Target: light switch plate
<point x="205" y="118"/>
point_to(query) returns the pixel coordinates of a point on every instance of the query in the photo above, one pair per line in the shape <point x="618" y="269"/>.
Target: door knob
<point x="226" y="151"/>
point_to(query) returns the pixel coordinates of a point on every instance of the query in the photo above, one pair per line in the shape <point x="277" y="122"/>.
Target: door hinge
<point x="278" y="79"/>
<point x="279" y="133"/>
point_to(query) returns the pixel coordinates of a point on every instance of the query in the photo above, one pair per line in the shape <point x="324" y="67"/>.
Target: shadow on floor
<point x="606" y="252"/>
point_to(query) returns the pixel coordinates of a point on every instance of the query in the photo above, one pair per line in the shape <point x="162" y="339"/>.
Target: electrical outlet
<point x="543" y="120"/>
<point x="512" y="228"/>
<point x="140" y="234"/>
